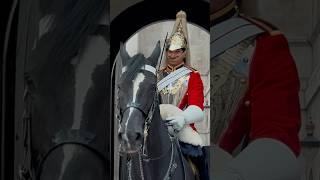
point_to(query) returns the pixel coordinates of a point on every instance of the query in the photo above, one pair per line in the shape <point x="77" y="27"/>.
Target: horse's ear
<point x="124" y="54"/>
<point x="153" y="58"/>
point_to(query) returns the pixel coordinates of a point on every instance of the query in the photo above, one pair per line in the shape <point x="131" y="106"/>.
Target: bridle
<point x="147" y="113"/>
<point x="143" y="154"/>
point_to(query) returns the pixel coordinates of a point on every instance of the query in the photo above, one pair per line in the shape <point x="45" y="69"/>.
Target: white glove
<point x="190" y="115"/>
<point x="177" y="122"/>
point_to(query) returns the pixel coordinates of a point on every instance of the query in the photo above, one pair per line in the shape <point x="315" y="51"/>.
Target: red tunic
<point x="194" y="94"/>
<point x="270" y="108"/>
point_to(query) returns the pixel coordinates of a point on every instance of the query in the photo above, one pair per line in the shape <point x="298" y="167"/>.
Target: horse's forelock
<point x="133" y="67"/>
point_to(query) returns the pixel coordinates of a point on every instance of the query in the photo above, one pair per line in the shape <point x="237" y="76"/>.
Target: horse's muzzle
<point x="130" y="141"/>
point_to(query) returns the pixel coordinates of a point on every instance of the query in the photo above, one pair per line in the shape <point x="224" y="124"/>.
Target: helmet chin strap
<point x="224" y="10"/>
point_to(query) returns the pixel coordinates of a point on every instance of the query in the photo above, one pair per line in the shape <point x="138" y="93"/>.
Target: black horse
<point x="66" y="94"/>
<point x="150" y="151"/>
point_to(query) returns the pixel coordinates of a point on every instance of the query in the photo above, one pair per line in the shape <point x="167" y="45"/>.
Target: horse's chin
<point x="128" y="149"/>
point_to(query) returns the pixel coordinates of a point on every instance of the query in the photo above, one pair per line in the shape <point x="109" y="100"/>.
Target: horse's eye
<point x="30" y="85"/>
<point x="121" y="112"/>
<point x="118" y="116"/>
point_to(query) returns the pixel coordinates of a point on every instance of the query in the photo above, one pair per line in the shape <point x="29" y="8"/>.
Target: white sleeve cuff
<point x="192" y="114"/>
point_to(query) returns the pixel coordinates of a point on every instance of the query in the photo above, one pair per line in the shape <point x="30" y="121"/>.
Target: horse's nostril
<point x="138" y="137"/>
<point x="120" y="136"/>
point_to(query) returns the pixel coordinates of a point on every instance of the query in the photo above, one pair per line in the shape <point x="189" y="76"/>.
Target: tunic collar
<point x="170" y="68"/>
<point x="223" y="14"/>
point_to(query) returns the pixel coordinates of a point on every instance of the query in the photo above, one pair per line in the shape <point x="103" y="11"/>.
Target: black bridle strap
<point x="136" y="106"/>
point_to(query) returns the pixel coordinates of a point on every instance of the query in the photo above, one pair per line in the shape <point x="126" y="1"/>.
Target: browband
<point x="145" y="67"/>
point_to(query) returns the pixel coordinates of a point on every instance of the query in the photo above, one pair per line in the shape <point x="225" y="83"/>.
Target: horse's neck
<point x="158" y="138"/>
<point x="162" y="151"/>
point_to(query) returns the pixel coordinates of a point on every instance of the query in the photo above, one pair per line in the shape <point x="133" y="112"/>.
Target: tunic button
<point x="216" y="77"/>
<point x="245" y="60"/>
<point x="247" y="103"/>
<point x="243" y="80"/>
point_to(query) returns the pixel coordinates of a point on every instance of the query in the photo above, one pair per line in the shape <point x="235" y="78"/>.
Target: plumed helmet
<point x="179" y="34"/>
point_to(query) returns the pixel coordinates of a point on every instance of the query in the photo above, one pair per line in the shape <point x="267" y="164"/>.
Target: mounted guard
<point x="181" y="87"/>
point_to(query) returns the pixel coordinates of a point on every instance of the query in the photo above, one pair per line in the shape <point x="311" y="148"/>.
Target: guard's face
<point x="175" y="57"/>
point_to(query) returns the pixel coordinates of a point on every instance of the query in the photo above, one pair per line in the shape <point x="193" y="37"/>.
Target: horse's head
<point x="137" y="91"/>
